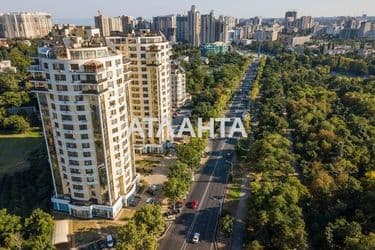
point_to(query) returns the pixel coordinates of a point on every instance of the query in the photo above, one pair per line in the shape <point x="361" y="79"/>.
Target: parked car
<point x="109" y="240"/>
<point x="196" y="237"/>
<point x="150" y="201"/>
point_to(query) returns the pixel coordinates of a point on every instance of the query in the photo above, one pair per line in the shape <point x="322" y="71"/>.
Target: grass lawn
<point x="15" y="148"/>
<point x="234" y="192"/>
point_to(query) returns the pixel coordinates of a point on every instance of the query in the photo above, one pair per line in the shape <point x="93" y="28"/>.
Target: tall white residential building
<point x="194" y="26"/>
<point x="25" y="25"/>
<point x="150" y="89"/>
<point x="178" y="82"/>
<point x="82" y="91"/>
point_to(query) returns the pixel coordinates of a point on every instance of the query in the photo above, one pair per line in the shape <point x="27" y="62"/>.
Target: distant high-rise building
<point x="102" y="23"/>
<point x="82" y="92"/>
<point x="142" y="24"/>
<point x="194" y="26"/>
<point x="305" y="23"/>
<point x="167" y="25"/>
<point x="257" y="20"/>
<point x="25" y="25"/>
<point x="364" y="28"/>
<point x="208" y="28"/>
<point x="230" y="21"/>
<point x="182" y="28"/>
<point x="128" y="24"/>
<point x="290" y="20"/>
<point x="150" y="89"/>
<point x="115" y="24"/>
<point x="221" y="30"/>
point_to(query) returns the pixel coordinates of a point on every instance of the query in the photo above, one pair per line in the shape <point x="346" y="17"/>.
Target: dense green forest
<point x="312" y="161"/>
<point x="14" y="87"/>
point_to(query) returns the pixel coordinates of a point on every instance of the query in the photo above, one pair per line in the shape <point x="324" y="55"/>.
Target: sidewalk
<point x="238" y="234"/>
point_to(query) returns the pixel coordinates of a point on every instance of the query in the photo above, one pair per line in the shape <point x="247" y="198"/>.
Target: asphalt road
<point x="209" y="188"/>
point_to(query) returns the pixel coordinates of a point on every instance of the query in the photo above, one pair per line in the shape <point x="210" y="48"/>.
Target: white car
<point x="196" y="238"/>
<point x="150" y="201"/>
<point x="109" y="240"/>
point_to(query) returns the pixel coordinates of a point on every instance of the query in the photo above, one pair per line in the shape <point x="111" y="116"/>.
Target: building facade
<point x="290" y="21"/>
<point x="178" y="82"/>
<point x="182" y="28"/>
<point x="167" y="25"/>
<point x="194" y="26"/>
<point x="82" y="91"/>
<point x="25" y="25"/>
<point x="208" y="28"/>
<point x="150" y="89"/>
<point x="102" y="23"/>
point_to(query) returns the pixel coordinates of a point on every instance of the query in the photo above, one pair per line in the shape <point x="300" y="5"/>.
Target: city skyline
<point x="62" y="10"/>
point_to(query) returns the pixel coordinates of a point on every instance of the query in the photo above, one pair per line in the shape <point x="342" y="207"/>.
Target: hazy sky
<point x="149" y="8"/>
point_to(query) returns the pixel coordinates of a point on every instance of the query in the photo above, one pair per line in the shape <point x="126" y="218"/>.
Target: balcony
<point x="38" y="79"/>
<point x="35" y="68"/>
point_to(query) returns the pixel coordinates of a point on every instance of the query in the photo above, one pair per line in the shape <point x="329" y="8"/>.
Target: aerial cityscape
<point x="154" y="125"/>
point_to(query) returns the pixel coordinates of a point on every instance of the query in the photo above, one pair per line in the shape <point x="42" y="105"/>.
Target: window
<point x="86" y="154"/>
<point x="60" y="77"/>
<point x="72" y="154"/>
<point x="74" y="162"/>
<point x="74" y="66"/>
<point x="76" y="78"/>
<point x="88" y="163"/>
<point x="58" y="66"/>
<point x="80" y="108"/>
<point x="76" y="179"/>
<point x="85" y="145"/>
<point x="79" y="195"/>
<point x="82" y="118"/>
<point x="84" y="136"/>
<point x="89" y="171"/>
<point x="64" y="108"/>
<point x="78" y="98"/>
<point x="68" y="136"/>
<point x="108" y="64"/>
<point x="66" y="117"/>
<point x="82" y="127"/>
<point x="77" y="187"/>
<point x="68" y="127"/>
<point x="71" y="145"/>
<point x="45" y="65"/>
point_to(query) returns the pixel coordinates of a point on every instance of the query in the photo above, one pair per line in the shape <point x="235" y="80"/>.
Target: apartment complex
<point x="167" y="25"/>
<point x="82" y="91"/>
<point x="150" y="89"/>
<point x="208" y="28"/>
<point x="178" y="83"/>
<point x="25" y="25"/>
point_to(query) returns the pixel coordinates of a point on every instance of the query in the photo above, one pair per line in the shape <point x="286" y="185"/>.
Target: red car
<point x="194" y="204"/>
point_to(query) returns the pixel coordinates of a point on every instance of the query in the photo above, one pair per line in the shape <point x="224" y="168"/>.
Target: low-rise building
<point x="6" y="65"/>
<point x="215" y="48"/>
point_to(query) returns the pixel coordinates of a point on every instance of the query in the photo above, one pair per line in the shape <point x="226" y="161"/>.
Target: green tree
<point x="10" y="228"/>
<point x="152" y="218"/>
<point x="38" y="230"/>
<point x="135" y="236"/>
<point x="16" y="123"/>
